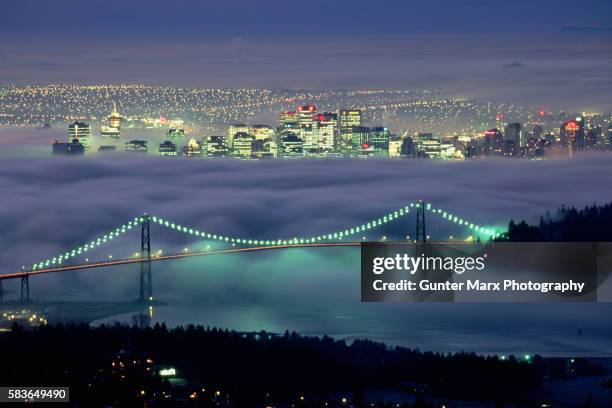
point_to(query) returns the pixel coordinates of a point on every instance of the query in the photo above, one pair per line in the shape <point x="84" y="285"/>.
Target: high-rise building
<point x="609" y="138"/>
<point x="513" y="132"/>
<point x="233" y="129"/>
<point x="379" y="140"/>
<point x="193" y="149"/>
<point x="408" y="147"/>
<point x="359" y="139"/>
<point x="395" y="146"/>
<point x="175" y="134"/>
<point x="305" y="115"/>
<point x="82" y="132"/>
<point x="428" y="146"/>
<point x="347" y="120"/>
<point x="136" y="146"/>
<point x="263" y="149"/>
<point x="262" y="132"/>
<point x="291" y="146"/>
<point x="325" y="131"/>
<point x="215" y="146"/>
<point x="167" y="148"/>
<point x="493" y="144"/>
<point x="72" y="148"/>
<point x="242" y="145"/>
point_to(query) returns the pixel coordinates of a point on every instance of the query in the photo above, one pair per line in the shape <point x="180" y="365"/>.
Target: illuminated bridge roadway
<point x="59" y="263"/>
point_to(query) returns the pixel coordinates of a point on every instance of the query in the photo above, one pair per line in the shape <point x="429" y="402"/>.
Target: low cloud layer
<point x="50" y="204"/>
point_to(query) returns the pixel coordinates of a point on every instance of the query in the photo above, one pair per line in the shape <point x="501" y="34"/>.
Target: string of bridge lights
<point x="332" y="236"/>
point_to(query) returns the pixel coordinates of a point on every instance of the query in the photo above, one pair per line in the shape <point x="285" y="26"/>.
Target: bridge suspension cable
<point x="331" y="236"/>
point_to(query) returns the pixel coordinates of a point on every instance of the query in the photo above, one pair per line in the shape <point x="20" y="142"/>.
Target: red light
<point x="311" y="108"/>
<point x="542" y="113"/>
<point x="365" y="145"/>
<point x="490" y="132"/>
<point x="299" y="108"/>
<point x="499" y="116"/>
<point x="571" y="125"/>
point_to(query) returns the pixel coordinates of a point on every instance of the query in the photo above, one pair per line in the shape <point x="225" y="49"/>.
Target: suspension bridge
<point x="70" y="260"/>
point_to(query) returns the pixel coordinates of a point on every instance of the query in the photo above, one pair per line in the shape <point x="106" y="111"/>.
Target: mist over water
<point x="51" y="204"/>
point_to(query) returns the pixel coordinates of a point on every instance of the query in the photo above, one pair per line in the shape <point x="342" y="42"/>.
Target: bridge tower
<point x="421" y="235"/>
<point x="146" y="286"/>
<point x="25" y="289"/>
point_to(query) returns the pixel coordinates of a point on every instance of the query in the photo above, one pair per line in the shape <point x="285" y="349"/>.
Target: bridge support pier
<point x="146" y="284"/>
<point x="25" y="289"/>
<point x="1" y="291"/>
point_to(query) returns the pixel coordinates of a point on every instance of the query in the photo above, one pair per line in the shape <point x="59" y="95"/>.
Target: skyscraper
<point x="136" y="146"/>
<point x="347" y="119"/>
<point x="167" y="148"/>
<point x="82" y="133"/>
<point x="242" y="145"/>
<point x="305" y="115"/>
<point x="325" y="131"/>
<point x="215" y="146"/>
<point x="428" y="146"/>
<point x="233" y="129"/>
<point x="513" y="132"/>
<point x="379" y="140"/>
<point x="291" y="146"/>
<point x="175" y="134"/>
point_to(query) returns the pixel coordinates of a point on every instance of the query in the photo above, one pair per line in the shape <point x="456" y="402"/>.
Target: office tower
<point x="111" y="132"/>
<point x="288" y="122"/>
<point x="71" y="148"/>
<point x="538" y="131"/>
<point x="167" y="148"/>
<point x="379" y="140"/>
<point x="114" y="120"/>
<point x="264" y="149"/>
<point x="233" y="130"/>
<point x="395" y="146"/>
<point x="215" y="146"/>
<point x="291" y="146"/>
<point x="493" y="144"/>
<point x="408" y="147"/>
<point x="593" y="138"/>
<point x="305" y="118"/>
<point x="82" y="133"/>
<point x="609" y="138"/>
<point x="193" y="149"/>
<point x="359" y="140"/>
<point x="242" y="146"/>
<point x="347" y="119"/>
<point x="136" y="146"/>
<point x="428" y="146"/>
<point x="325" y="131"/>
<point x="513" y="132"/>
<point x="262" y="132"/>
<point x="175" y="134"/>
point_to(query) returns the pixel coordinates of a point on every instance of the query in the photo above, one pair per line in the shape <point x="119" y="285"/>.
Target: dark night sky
<point x="516" y="52"/>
